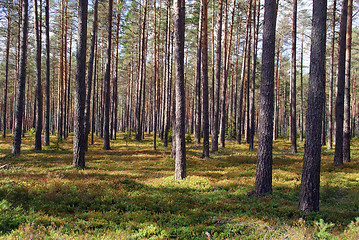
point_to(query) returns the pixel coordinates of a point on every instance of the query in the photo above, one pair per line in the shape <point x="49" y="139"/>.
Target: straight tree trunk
<point x="331" y="80"/>
<point x="179" y="133"/>
<point x="204" y="20"/>
<point x="80" y="94"/>
<point x="6" y="69"/>
<point x="263" y="183"/>
<point x="39" y="101"/>
<point x="20" y="96"/>
<point x="339" y="102"/>
<point x="293" y="83"/>
<point x="106" y="143"/>
<point x="254" y="64"/>
<point x="346" y="124"/>
<point x="154" y="109"/>
<point x="90" y="75"/>
<point x="309" y="188"/>
<point x="301" y="89"/>
<point x="215" y="124"/>
<point x="197" y="106"/>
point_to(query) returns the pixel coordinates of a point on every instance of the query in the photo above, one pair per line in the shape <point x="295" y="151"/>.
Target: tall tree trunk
<point x="339" y="102"/>
<point x="179" y="30"/>
<point x="6" y="68"/>
<point x="301" y="88"/>
<point x="140" y="83"/>
<point x="215" y="124"/>
<point x="90" y="75"/>
<point x="239" y="119"/>
<point x="197" y="105"/>
<point x="37" y="27"/>
<point x="331" y="80"/>
<point x="293" y="83"/>
<point x="346" y="124"/>
<point x="263" y="183"/>
<point x="309" y="189"/>
<point x="47" y="81"/>
<point x="254" y="64"/>
<point x="155" y="80"/>
<point x="106" y="143"/>
<point x="204" y="21"/>
<point x="80" y="94"/>
<point x="21" y="80"/>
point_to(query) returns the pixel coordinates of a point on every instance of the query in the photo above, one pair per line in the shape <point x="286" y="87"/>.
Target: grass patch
<point x="129" y="192"/>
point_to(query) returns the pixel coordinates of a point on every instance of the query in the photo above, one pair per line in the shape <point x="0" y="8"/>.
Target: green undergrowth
<point x="129" y="192"/>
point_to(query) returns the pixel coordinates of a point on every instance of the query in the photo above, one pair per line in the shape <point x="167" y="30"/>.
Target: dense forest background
<point x="198" y="75"/>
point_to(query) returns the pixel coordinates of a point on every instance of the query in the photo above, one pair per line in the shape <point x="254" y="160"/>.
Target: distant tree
<point x="20" y="89"/>
<point x="309" y="188"/>
<point x="47" y="80"/>
<point x="6" y="68"/>
<point x="293" y="83"/>
<point x="339" y="101"/>
<point x="216" y="96"/>
<point x="106" y="144"/>
<point x="204" y="6"/>
<point x="346" y="124"/>
<point x="331" y="80"/>
<point x="263" y="183"/>
<point x="179" y="131"/>
<point x="90" y="73"/>
<point x="37" y="27"/>
<point x="80" y="90"/>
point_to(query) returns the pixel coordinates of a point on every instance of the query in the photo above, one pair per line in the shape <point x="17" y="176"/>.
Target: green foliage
<point x="231" y="132"/>
<point x="130" y="192"/>
<point x="322" y="229"/>
<point x="127" y="137"/>
<point x="31" y="132"/>
<point x="10" y="217"/>
<point x="170" y="135"/>
<point x="188" y="138"/>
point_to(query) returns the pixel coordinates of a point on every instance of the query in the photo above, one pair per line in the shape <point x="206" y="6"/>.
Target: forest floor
<point x="129" y="192"/>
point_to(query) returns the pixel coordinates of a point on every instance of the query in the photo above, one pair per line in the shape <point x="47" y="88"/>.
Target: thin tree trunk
<point x="215" y="124"/>
<point x="346" y="124"/>
<point x="204" y="20"/>
<point x="339" y="102"/>
<point x="197" y="105"/>
<point x="6" y="68"/>
<point x="47" y="81"/>
<point x="154" y="124"/>
<point x="90" y="75"/>
<point x="293" y="83"/>
<point x="106" y="144"/>
<point x="331" y="80"/>
<point x="21" y="80"/>
<point x="254" y="64"/>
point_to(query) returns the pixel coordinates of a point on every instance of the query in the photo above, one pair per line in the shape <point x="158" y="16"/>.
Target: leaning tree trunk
<point x="339" y="102"/>
<point x="80" y="94"/>
<point x="309" y="188"/>
<point x="346" y="125"/>
<point x="179" y="133"/>
<point x="20" y="96"/>
<point x="263" y="183"/>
